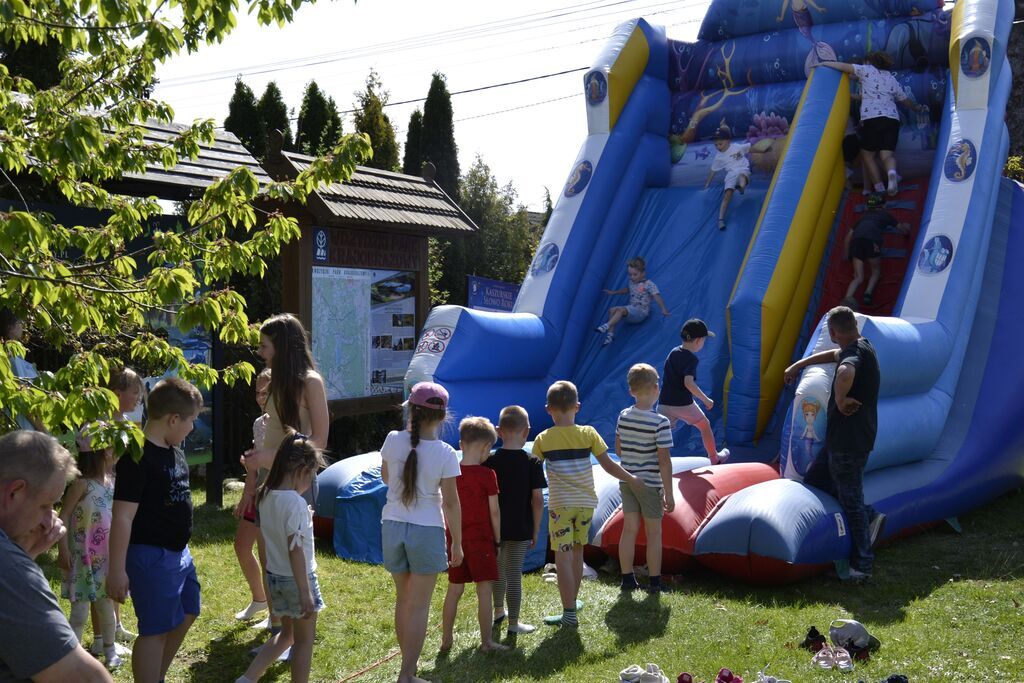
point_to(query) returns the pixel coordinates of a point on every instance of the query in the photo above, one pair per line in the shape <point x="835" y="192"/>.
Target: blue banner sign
<point x="491" y="295"/>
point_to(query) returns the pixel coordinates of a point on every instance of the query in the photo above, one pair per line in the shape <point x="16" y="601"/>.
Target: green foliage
<point x="372" y="122"/>
<point x="245" y="122"/>
<point x="412" y="161"/>
<point x="274" y="113"/>
<point x="319" y="125"/>
<point x="437" y="141"/>
<point x="88" y="289"/>
<point x="1014" y="169"/>
<point x="39" y="63"/>
<point x="503" y="246"/>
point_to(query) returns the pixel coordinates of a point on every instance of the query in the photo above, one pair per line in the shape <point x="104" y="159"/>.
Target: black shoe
<point x="814" y="640"/>
<point x="868" y="298"/>
<point x="629" y="584"/>
<point x="876" y="528"/>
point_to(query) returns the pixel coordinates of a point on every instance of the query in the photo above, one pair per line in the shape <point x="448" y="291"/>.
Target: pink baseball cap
<point x="428" y="395"/>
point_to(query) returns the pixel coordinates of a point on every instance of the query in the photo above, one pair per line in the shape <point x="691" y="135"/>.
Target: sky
<point x="528" y="133"/>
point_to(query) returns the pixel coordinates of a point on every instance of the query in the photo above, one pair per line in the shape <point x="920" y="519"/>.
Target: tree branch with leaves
<point x="85" y="286"/>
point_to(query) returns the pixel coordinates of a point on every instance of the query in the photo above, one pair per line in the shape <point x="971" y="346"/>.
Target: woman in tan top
<point x="297" y="401"/>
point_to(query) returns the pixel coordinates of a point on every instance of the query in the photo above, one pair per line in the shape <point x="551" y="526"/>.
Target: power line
<point x="456" y="35"/>
<point x="525" y="106"/>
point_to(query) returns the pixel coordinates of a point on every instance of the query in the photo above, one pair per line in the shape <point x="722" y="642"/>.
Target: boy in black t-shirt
<point x="521" y="502"/>
<point x="680" y="386"/>
<point x="152" y="524"/>
<point x="864" y="244"/>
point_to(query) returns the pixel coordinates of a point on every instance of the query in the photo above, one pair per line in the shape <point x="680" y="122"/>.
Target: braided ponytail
<point x="417" y="416"/>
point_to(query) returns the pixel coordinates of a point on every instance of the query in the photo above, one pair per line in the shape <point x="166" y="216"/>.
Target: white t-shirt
<point x="732" y="159"/>
<point x="435" y="461"/>
<point x="879" y="91"/>
<point x="285" y="513"/>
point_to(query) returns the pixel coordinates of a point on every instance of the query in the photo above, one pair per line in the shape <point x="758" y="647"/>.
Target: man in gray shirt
<point x="36" y="641"/>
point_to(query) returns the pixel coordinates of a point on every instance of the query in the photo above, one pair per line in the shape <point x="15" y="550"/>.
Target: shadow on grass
<point x="636" y="617"/>
<point x="559" y="650"/>
<point x="227" y="657"/>
<point x="906" y="569"/>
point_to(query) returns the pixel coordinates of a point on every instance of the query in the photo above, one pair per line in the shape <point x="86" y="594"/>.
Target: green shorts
<point x="649" y="503"/>
<point x="568" y="527"/>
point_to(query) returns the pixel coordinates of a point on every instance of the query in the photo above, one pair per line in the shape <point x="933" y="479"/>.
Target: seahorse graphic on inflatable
<point x="962" y="152"/>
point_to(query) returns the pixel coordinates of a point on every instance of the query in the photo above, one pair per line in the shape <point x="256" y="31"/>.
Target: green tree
<point x="412" y="161"/>
<point x="319" y="123"/>
<point x="371" y="121"/>
<point x="1014" y="169"/>
<point x="274" y="113"/>
<point x="437" y="141"/>
<point x="245" y="122"/>
<point x="84" y="287"/>
<point x="503" y="246"/>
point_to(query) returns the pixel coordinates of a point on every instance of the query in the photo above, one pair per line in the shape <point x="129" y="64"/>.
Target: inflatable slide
<point x="943" y="323"/>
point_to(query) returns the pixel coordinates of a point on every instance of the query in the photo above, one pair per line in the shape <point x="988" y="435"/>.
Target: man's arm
<point x="793" y="371"/>
<point x="844" y="380"/>
<point x="120" y="533"/>
<point x="77" y="665"/>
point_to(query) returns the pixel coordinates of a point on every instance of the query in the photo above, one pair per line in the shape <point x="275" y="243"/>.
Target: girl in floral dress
<point x="83" y="552"/>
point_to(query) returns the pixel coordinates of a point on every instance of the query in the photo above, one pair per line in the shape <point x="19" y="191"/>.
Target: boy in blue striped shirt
<point x="643" y="439"/>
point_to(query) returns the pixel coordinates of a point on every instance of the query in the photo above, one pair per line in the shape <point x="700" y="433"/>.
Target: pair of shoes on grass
<point x="830" y="657"/>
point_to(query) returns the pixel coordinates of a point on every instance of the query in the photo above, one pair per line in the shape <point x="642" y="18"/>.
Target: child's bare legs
<point x="627" y="544"/>
<point x="858" y="278"/>
<point x="245" y="537"/>
<point x="302" y="649"/>
<point x="152" y="655"/>
<point x="876" y="273"/>
<point x="653" y="528"/>
<point x="273" y="648"/>
<point x="412" y="609"/>
<point x="451" y="608"/>
<point x="726" y="198"/>
<point x="889" y="162"/>
<point x="261" y="552"/>
<point x="484" y="615"/>
<point x="873" y="176"/>
<point x="565" y="566"/>
<point x="615" y="316"/>
<point x="709" y="439"/>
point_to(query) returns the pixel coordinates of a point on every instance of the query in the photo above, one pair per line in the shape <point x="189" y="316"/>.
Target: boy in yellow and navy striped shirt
<point x="566" y="448"/>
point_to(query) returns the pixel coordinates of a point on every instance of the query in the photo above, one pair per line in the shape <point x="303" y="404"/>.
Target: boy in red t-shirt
<point x="481" y="532"/>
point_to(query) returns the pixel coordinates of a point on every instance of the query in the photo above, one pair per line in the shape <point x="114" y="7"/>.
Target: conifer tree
<point x="318" y="121"/>
<point x="244" y="120"/>
<point x="274" y="113"/>
<point x="371" y="120"/>
<point x="412" y="161"/>
<point x="437" y="142"/>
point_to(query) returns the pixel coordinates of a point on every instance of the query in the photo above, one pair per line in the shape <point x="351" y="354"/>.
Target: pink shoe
<point x="727" y="676"/>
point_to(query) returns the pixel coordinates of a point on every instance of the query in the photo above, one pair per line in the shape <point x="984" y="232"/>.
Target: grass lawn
<point x="946" y="606"/>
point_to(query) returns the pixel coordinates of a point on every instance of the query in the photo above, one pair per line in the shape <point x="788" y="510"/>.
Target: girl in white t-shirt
<point x="879" y="116"/>
<point x="286" y="523"/>
<point x="418" y="468"/>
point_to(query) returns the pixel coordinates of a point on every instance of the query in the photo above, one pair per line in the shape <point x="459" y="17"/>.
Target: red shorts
<point x="480" y="563"/>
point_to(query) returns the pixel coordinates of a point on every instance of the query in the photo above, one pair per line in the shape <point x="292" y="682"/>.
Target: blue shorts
<point x="164" y="587"/>
<point x="413" y="548"/>
<point x="284" y="593"/>
<point x="635" y="314"/>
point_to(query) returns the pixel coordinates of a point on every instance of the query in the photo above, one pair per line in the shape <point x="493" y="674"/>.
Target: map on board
<point x="341" y="318"/>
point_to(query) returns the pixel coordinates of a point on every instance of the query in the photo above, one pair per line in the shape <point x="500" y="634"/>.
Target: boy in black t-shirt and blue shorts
<point x="150" y="531"/>
<point x="679" y="386"/>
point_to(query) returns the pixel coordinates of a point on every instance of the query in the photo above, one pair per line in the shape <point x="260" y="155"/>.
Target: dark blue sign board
<point x="491" y="295"/>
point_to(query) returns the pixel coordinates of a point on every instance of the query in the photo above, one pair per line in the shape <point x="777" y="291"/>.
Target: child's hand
<point x="670" y="501"/>
<point x="665" y="312"/>
<point x="791" y="376"/>
<point x="532" y="542"/>
<point x="709" y="404"/>
<point x="608" y="291"/>
<point x="306" y="605"/>
<point x="456" y="560"/>
<point x="636" y="484"/>
<point x="117" y="586"/>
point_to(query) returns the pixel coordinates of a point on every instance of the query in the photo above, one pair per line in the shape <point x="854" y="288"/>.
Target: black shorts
<point x="880" y="133"/>
<point x="865" y="250"/>
<point x="851" y="148"/>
